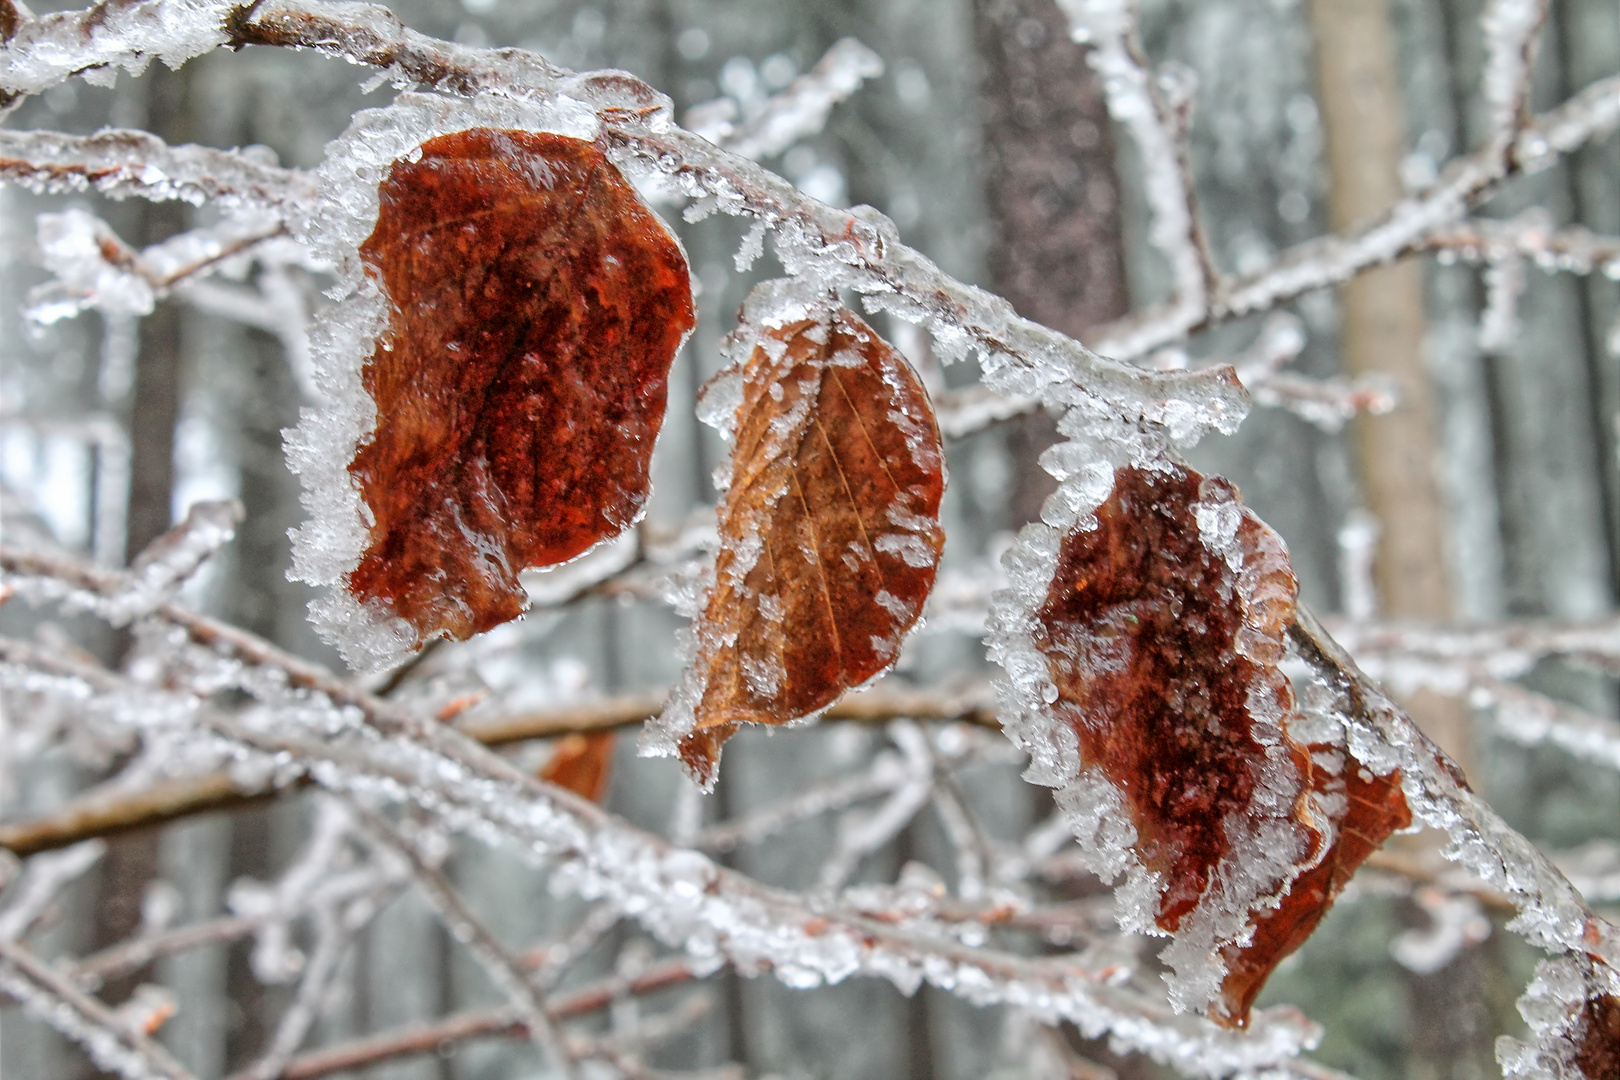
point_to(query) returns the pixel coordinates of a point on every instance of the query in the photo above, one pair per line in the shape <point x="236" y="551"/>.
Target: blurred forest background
<point x="1493" y="487"/>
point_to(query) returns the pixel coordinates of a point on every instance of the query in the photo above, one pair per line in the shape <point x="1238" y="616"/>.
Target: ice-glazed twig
<point x="550" y="961"/>
<point x="334" y="932"/>
<point x="504" y="969"/>
<point x="862" y="832"/>
<point x="1327" y="403"/>
<point x="1532" y="235"/>
<point x="95" y="270"/>
<point x="884" y="774"/>
<point x="362" y="747"/>
<point x="1504" y="285"/>
<point x="157" y="572"/>
<point x="1155" y="112"/>
<point x="1502" y="650"/>
<point x="798" y="112"/>
<point x="99" y="41"/>
<point x="1512" y="30"/>
<point x="1593" y="868"/>
<point x="1551" y="913"/>
<point x="1530" y="718"/>
<point x="1332" y="260"/>
<point x="50" y="996"/>
<point x="42" y="880"/>
<point x="133" y="164"/>
<point x="966" y="838"/>
<point x="114" y="809"/>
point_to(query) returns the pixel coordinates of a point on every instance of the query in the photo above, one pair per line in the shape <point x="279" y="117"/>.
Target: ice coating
<point x="305" y="723"/>
<point x="1142" y="645"/>
<point x="1573" y="1009"/>
<point x="156" y="574"/>
<point x="518" y="400"/>
<point x="110" y="38"/>
<point x="829" y="526"/>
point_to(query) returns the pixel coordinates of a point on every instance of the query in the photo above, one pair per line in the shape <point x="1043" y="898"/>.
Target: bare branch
<point x="428" y="1038"/>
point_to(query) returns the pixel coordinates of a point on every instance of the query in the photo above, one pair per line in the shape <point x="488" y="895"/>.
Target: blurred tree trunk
<point x="1381" y="332"/>
<point x="1056" y="248"/>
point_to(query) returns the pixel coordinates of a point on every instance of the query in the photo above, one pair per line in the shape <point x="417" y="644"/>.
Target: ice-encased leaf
<point x="1143" y="640"/>
<point x="829" y="530"/>
<point x="1573" y="1009"/>
<point x="517" y="312"/>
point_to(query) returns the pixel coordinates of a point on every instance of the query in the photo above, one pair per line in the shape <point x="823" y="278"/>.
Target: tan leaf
<point x="829" y="530"/>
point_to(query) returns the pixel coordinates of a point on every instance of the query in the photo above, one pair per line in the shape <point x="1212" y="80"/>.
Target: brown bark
<point x="1382" y="325"/>
<point x="1056" y="249"/>
<point x="1381" y="333"/>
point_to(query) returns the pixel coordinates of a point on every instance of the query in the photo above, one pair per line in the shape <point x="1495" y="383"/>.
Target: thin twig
<point x="430" y="1037"/>
<point x="464" y="925"/>
<point x="51" y="996"/>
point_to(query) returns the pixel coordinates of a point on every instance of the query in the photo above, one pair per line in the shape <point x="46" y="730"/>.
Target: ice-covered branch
<point x="1529" y="718"/>
<point x="99" y="41"/>
<point x="133" y="164"/>
<point x="166" y="564"/>
<point x="1532" y="235"/>
<point x="50" y="996"/>
<point x="42" y="880"/>
<point x="1503" y="650"/>
<point x="1155" y="110"/>
<point x="798" y="112"/>
<point x="357" y="745"/>
<point x="1551" y="913"/>
<point x="1261" y="368"/>
<point x="1512" y="31"/>
<point x="96" y="270"/>
<point x="1332" y="260"/>
<point x="465" y="927"/>
<point x="117" y="809"/>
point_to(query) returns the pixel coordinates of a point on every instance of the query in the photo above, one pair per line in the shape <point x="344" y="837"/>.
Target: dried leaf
<point x="535" y="307"/>
<point x="829" y="530"/>
<point x="1597" y="1052"/>
<point x="582" y="763"/>
<point x="1365" y="810"/>
<point x="1162" y="630"/>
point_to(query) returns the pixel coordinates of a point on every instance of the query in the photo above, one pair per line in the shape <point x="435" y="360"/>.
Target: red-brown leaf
<point x="535" y="307"/>
<point x="1597" y="1038"/>
<point x="582" y="763"/>
<point x="829" y="530"/>
<point x="1162" y="631"/>
<point x="1374" y="808"/>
